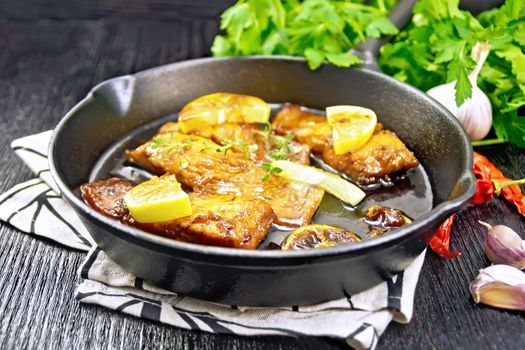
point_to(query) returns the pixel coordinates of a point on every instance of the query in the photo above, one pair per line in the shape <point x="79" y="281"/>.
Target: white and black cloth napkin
<point x="35" y="207"/>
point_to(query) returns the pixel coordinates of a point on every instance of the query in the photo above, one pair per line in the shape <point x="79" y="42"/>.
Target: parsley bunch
<point x="316" y="29"/>
<point x="435" y="49"/>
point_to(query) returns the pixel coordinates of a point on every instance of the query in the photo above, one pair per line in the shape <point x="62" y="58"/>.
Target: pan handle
<point x="369" y="49"/>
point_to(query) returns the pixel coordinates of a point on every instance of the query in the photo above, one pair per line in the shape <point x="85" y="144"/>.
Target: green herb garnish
<point x="270" y="169"/>
<point x="319" y="30"/>
<point x="169" y="146"/>
<point x="225" y="146"/>
<point x="228" y="144"/>
<point x="280" y="153"/>
<point x="434" y="49"/>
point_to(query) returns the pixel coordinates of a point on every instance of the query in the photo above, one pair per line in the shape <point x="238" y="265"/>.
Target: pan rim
<point x="442" y="210"/>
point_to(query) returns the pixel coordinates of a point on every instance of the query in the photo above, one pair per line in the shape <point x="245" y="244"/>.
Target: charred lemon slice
<point x="318" y="236"/>
<point x="331" y="183"/>
<point x="159" y="199"/>
<point x="220" y="108"/>
<point x="352" y="126"/>
<point x="379" y="216"/>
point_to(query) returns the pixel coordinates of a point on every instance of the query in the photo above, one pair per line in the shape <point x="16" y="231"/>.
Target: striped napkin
<point x="35" y="207"/>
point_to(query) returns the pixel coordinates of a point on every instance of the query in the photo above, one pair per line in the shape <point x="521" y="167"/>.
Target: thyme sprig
<point x="283" y="150"/>
<point x="225" y="146"/>
<point x="169" y="146"/>
<point x="248" y="149"/>
<point x="270" y="169"/>
<point x="267" y="129"/>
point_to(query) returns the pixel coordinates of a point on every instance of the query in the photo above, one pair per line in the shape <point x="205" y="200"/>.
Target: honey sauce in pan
<point x="411" y="193"/>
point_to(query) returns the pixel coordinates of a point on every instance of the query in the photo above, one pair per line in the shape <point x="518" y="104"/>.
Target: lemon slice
<point x="157" y="200"/>
<point x="352" y="126"/>
<point x="220" y="108"/>
<point x="318" y="236"/>
<point x="331" y="183"/>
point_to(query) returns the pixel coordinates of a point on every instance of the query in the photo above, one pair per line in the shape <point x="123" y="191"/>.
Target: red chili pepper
<point x="485" y="192"/>
<point x="487" y="172"/>
<point x="441" y="240"/>
<point x="490" y="182"/>
<point x="484" y="169"/>
<point x="514" y="195"/>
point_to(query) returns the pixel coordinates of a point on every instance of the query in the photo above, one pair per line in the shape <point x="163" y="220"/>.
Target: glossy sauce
<point x="411" y="193"/>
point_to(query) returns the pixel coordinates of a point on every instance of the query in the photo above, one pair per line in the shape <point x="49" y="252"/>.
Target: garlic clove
<point x="475" y="114"/>
<point x="445" y="94"/>
<point x="504" y="246"/>
<point x="500" y="286"/>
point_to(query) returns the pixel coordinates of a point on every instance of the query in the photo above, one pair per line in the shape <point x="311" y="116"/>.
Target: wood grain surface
<point x="26" y="10"/>
<point x="46" y="65"/>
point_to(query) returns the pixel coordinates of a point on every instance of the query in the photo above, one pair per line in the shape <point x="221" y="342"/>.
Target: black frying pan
<point x="118" y="112"/>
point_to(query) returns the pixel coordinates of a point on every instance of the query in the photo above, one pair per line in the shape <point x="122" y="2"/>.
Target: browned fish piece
<point x="316" y="136"/>
<point x="224" y="220"/>
<point x="293" y="117"/>
<point x="169" y="127"/>
<point x="294" y="203"/>
<point x="221" y="220"/>
<point x="106" y="196"/>
<point x="193" y="159"/>
<point x="248" y="135"/>
<point x="198" y="166"/>
<point x="382" y="155"/>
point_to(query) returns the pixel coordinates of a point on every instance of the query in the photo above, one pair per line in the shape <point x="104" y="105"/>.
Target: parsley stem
<point x="381" y="5"/>
<point x="488" y="142"/>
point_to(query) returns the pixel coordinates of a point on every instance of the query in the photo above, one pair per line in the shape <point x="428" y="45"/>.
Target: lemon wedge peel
<point x="331" y="183"/>
<point x="157" y="200"/>
<point x="352" y="126"/>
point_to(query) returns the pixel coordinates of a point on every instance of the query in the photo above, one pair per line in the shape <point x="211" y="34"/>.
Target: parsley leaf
<point x="221" y="46"/>
<point x="515" y="56"/>
<point x="343" y="59"/>
<point x="380" y="26"/>
<point x="510" y="126"/>
<point x="458" y="70"/>
<point x="314" y="57"/>
<point x="236" y="19"/>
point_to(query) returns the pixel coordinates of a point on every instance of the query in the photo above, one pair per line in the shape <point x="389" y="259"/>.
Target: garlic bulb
<point x="475" y="114"/>
<point x="500" y="286"/>
<point x="504" y="246"/>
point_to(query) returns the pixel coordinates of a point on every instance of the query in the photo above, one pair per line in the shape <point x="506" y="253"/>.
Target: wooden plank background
<point x="24" y="10"/>
<point x="51" y="54"/>
<point x="95" y="9"/>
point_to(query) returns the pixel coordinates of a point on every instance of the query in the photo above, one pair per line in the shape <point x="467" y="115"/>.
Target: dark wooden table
<point x="50" y="56"/>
